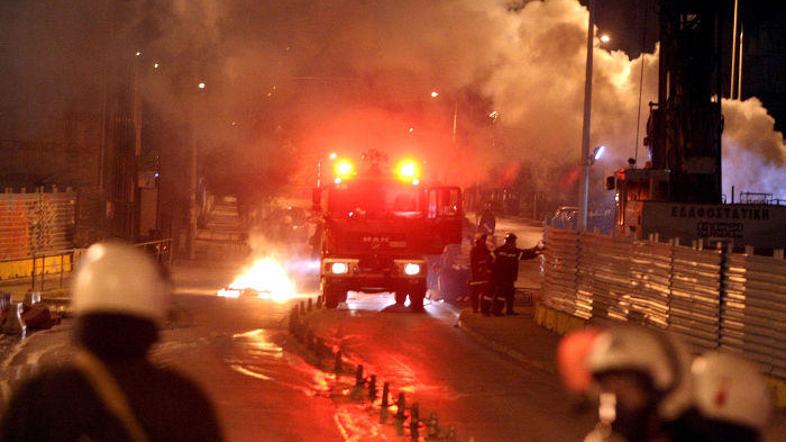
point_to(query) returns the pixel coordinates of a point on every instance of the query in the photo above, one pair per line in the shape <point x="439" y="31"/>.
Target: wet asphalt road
<point x="239" y="350"/>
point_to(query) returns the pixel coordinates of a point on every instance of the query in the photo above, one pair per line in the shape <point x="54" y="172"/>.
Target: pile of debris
<point x="32" y="314"/>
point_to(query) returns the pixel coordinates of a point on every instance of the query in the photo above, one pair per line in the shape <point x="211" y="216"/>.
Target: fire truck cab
<point x="377" y="227"/>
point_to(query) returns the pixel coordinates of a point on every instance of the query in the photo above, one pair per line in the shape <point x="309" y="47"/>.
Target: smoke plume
<point x="290" y="80"/>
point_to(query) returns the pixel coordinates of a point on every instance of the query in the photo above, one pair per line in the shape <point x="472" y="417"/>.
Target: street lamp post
<point x="192" y="182"/>
<point x="435" y="94"/>
<point x="585" y="139"/>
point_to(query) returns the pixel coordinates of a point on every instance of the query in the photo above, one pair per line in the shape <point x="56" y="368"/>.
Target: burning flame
<point x="266" y="277"/>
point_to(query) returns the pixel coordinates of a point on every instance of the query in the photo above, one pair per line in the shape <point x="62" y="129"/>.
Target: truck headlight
<point x="411" y="269"/>
<point x="339" y="268"/>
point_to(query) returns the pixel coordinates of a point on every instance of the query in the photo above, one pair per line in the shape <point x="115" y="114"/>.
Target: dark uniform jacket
<point x="480" y="262"/>
<point x="505" y="270"/>
<point x="60" y="405"/>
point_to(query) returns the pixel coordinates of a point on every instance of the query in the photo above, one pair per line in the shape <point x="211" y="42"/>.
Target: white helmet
<point x="115" y="277"/>
<point x="660" y="357"/>
<point x="728" y="388"/>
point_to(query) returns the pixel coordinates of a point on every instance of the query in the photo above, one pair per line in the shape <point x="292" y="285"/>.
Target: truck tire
<point x="333" y="296"/>
<point x="416" y="298"/>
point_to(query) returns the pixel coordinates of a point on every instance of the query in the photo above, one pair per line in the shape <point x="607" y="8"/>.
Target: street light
<point x="201" y="85"/>
<point x="605" y="38"/>
<point x="597" y="153"/>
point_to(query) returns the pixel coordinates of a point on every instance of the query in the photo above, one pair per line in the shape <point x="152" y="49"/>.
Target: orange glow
<point x="408" y="170"/>
<point x="344" y="169"/>
<point x="267" y="278"/>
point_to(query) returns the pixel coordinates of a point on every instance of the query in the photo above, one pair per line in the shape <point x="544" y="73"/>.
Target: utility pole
<point x="585" y="139"/>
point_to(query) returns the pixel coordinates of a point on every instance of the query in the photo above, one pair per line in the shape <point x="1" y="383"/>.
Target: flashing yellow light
<point x="408" y="170"/>
<point x="344" y="169"/>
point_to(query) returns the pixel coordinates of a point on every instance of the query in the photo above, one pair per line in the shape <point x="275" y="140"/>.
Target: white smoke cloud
<point x="539" y="89"/>
<point x="754" y="154"/>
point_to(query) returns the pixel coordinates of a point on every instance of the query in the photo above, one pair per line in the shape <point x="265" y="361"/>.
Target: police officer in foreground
<point x="505" y="271"/>
<point x="643" y="383"/>
<point x="111" y="391"/>
<point x="480" y="264"/>
<point x="730" y="401"/>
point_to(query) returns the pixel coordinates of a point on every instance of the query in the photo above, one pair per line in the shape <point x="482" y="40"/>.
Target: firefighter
<point x="487" y="223"/>
<point x="505" y="271"/>
<point x="110" y="390"/>
<point x="480" y="263"/>
<point x="643" y="383"/>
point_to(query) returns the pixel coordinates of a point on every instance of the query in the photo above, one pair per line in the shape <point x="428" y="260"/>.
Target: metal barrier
<point x="753" y="313"/>
<point x="49" y="269"/>
<point x="713" y="298"/>
<point x="58" y="262"/>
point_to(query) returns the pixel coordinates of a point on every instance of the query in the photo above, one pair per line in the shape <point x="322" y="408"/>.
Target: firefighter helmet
<point x="118" y="278"/>
<point x="510" y="238"/>
<point x="660" y="358"/>
<point x="730" y="389"/>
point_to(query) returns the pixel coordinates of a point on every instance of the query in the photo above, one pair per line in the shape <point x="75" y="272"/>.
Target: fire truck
<point x="678" y="195"/>
<point x="379" y="223"/>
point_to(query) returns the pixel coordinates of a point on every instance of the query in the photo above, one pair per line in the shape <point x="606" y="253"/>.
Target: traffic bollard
<point x="302" y="307"/>
<point x="319" y="302"/>
<point x="338" y="362"/>
<point x="414" y="421"/>
<point x="433" y="427"/>
<point x="401" y="405"/>
<point x="13" y="324"/>
<point x="359" y="376"/>
<point x="385" y="394"/>
<point x="372" y="388"/>
<point x="310" y="305"/>
<point x="451" y="436"/>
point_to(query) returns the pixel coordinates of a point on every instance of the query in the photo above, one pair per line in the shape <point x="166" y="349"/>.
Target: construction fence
<point x="713" y="298"/>
<point x="34" y="221"/>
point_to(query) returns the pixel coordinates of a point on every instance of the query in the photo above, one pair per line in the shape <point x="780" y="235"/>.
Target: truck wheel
<point x="401" y="297"/>
<point x="416" y="300"/>
<point x="332" y="296"/>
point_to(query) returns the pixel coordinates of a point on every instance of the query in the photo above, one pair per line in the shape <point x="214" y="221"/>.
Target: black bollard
<point x="359" y="377"/>
<point x="401" y="404"/>
<point x="338" y="362"/>
<point x="433" y="427"/>
<point x="372" y="388"/>
<point x="414" y="421"/>
<point x="451" y="437"/>
<point x="302" y="307"/>
<point x="310" y="305"/>
<point x="385" y="394"/>
<point x="319" y="302"/>
<point x="320" y="347"/>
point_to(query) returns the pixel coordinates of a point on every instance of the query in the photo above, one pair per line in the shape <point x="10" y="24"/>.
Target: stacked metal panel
<point x="604" y="276"/>
<point x="754" y="311"/>
<point x="694" y="307"/>
<point x="650" y="269"/>
<point x="561" y="266"/>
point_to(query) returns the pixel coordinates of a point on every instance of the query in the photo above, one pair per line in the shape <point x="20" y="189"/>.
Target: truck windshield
<point x="375" y="199"/>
